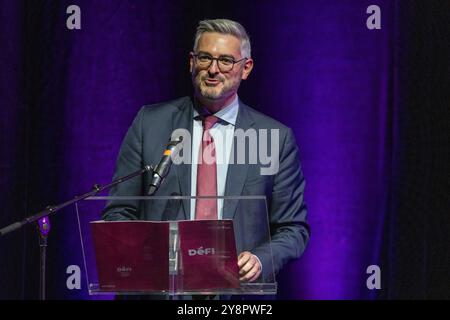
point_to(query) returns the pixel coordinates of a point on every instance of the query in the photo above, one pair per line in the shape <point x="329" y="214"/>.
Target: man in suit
<point x="220" y="60"/>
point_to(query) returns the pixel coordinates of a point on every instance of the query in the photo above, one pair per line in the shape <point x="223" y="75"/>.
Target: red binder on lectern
<point x="135" y="255"/>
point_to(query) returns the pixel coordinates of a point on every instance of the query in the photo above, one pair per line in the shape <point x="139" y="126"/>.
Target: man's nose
<point x="214" y="67"/>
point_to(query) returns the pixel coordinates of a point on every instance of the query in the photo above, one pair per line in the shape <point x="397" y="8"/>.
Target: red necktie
<point x="207" y="174"/>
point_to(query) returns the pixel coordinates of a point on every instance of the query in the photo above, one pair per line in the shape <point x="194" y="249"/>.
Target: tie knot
<point x="209" y="121"/>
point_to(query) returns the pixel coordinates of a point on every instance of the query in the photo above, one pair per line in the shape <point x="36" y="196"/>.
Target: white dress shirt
<point x="222" y="132"/>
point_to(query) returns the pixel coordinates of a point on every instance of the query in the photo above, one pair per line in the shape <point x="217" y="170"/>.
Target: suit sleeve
<point x="287" y="211"/>
<point x="129" y="160"/>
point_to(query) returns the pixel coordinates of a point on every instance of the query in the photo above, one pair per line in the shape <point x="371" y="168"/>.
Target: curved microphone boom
<point x="163" y="167"/>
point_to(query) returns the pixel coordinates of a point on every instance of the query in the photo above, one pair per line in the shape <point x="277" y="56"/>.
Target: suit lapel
<point x="183" y="120"/>
<point x="236" y="173"/>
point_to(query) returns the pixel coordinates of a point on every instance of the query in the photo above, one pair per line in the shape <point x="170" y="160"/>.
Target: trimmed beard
<point x="211" y="93"/>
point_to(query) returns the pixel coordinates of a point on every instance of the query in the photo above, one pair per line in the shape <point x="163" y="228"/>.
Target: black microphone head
<point x="162" y="169"/>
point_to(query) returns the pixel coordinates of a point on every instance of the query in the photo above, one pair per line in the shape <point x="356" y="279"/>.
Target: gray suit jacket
<point x="144" y="144"/>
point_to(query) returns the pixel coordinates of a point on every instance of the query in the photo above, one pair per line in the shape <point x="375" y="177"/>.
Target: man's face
<point x="213" y="86"/>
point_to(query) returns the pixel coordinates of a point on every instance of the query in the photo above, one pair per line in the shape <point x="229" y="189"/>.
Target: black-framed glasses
<point x="225" y="63"/>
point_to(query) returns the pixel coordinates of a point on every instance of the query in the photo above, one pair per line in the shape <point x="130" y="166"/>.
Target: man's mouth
<point x="212" y="82"/>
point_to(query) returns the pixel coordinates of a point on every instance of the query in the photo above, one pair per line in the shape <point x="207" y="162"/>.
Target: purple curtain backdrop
<point x="68" y="97"/>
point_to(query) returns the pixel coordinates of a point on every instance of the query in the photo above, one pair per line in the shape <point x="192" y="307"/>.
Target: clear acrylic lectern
<point x="167" y="252"/>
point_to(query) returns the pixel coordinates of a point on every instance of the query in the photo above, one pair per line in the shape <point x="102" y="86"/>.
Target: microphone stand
<point x="44" y="223"/>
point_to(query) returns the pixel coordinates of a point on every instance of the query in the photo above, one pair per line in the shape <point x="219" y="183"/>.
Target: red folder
<point x="131" y="255"/>
<point x="208" y="255"/>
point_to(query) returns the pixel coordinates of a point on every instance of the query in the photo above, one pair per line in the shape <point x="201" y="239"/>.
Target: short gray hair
<point x="225" y="26"/>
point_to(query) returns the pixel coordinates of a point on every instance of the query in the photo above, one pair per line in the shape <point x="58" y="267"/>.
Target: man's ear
<point x="191" y="62"/>
<point x="248" y="67"/>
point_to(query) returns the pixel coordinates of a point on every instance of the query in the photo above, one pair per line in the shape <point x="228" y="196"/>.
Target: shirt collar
<point x="227" y="114"/>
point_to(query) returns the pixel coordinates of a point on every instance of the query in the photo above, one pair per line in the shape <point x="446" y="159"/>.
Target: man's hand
<point x="249" y="267"/>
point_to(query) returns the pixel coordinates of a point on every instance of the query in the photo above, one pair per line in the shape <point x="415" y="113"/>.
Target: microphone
<point x="162" y="169"/>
